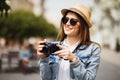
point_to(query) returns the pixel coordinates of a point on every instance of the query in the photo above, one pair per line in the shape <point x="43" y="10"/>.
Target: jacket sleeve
<point x="83" y="72"/>
<point x="45" y="72"/>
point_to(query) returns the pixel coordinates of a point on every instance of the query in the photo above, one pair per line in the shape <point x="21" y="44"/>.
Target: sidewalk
<point x="110" y="56"/>
<point x="107" y="71"/>
<point x="19" y="76"/>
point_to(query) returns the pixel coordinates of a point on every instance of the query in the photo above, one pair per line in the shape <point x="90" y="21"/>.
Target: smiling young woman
<point x="78" y="57"/>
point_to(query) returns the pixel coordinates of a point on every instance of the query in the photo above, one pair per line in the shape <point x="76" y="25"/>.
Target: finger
<point x="41" y="46"/>
<point x="61" y="47"/>
<point x="39" y="42"/>
<point x="39" y="49"/>
<point x="63" y="55"/>
<point x="59" y="52"/>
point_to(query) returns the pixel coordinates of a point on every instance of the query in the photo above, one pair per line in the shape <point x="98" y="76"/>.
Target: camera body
<point x="49" y="48"/>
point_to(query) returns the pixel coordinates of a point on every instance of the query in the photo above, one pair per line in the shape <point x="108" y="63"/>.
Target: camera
<point x="49" y="48"/>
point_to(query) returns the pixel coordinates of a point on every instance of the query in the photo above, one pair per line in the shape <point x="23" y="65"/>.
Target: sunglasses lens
<point x="73" y="21"/>
<point x="65" y="20"/>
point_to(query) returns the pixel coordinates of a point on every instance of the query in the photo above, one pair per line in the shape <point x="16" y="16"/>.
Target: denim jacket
<point x="84" y="68"/>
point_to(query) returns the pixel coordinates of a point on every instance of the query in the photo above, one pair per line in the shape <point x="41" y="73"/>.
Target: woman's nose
<point x="68" y="22"/>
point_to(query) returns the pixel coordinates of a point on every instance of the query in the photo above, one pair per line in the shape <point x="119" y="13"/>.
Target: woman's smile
<point x="68" y="28"/>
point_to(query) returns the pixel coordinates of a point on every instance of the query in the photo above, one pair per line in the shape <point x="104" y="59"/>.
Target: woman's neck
<point x="72" y="40"/>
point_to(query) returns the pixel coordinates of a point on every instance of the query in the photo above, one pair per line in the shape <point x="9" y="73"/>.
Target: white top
<point x="64" y="68"/>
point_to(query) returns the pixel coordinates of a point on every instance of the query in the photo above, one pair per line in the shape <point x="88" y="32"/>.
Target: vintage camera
<point x="49" y="48"/>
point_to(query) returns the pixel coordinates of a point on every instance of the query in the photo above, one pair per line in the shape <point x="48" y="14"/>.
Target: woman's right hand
<point x="39" y="47"/>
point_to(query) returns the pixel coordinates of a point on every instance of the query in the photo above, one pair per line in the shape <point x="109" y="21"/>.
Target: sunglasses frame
<point x="72" y="21"/>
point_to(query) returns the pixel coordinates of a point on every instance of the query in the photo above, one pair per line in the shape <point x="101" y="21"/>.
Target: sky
<point x="53" y="8"/>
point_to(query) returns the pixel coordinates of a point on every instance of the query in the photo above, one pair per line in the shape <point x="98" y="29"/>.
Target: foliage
<point x="21" y="24"/>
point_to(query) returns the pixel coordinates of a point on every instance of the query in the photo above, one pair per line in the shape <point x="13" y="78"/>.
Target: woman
<point x="78" y="57"/>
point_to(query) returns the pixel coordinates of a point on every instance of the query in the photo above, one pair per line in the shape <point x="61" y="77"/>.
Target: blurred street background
<point x="24" y="22"/>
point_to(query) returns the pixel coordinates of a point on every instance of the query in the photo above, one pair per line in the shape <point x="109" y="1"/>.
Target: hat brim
<point x="63" y="11"/>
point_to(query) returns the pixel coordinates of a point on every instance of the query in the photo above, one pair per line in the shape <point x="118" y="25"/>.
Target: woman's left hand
<point x="65" y="53"/>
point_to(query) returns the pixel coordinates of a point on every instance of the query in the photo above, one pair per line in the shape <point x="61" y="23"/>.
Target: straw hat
<point x="82" y="10"/>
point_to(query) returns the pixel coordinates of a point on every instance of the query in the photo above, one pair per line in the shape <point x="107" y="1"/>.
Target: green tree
<point x="21" y="24"/>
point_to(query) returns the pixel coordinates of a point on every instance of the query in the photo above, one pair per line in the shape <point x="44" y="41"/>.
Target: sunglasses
<point x="72" y="21"/>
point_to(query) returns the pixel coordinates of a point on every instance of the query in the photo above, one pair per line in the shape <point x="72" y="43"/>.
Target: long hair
<point x="84" y="33"/>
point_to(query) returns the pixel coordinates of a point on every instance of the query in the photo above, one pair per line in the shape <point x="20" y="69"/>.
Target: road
<point x="108" y="71"/>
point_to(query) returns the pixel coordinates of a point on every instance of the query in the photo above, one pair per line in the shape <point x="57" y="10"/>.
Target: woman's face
<point x="71" y="25"/>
